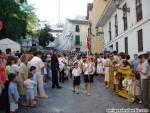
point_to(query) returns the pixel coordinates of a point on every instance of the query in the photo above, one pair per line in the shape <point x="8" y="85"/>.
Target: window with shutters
<point x="139" y="14"/>
<point x="125" y="20"/>
<point x="110" y="37"/>
<point x="126" y="45"/>
<point x="116" y="25"/>
<point x="77" y="28"/>
<point x="77" y="40"/>
<point x="140" y="40"/>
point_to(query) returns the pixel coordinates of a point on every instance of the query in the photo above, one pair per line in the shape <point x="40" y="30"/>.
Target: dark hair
<point x="76" y="63"/>
<point x="140" y="57"/>
<point x="19" y="55"/>
<point x="36" y="53"/>
<point x="0" y="52"/>
<point x="126" y="63"/>
<point x="128" y="57"/>
<point x="84" y="59"/>
<point x="32" y="68"/>
<point x="148" y="61"/>
<point x="43" y="57"/>
<point x="15" y="59"/>
<point x="11" y="76"/>
<point x="30" y="75"/>
<point x="137" y="76"/>
<point x="8" y="50"/>
<point x="10" y="59"/>
<point x="115" y="52"/>
<point x="145" y="56"/>
<point x="79" y="57"/>
<point x="122" y="55"/>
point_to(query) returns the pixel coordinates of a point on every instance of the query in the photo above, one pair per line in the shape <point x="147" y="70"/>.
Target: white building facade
<point x="74" y="35"/>
<point x="57" y="34"/>
<point x="127" y="29"/>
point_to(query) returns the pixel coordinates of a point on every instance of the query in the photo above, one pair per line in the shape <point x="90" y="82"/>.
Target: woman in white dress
<point x="107" y="68"/>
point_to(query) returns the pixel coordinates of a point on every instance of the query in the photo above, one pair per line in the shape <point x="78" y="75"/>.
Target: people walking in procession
<point x="89" y="70"/>
<point x="23" y="77"/>
<point x="76" y="74"/>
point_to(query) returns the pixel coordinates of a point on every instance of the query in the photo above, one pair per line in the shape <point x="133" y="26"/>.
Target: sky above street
<point x="48" y="10"/>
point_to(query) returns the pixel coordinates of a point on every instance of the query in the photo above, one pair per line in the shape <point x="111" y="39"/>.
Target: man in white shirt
<point x="38" y="63"/>
<point x="144" y="80"/>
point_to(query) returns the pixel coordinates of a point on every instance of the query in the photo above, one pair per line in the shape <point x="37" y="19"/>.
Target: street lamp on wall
<point x="117" y="3"/>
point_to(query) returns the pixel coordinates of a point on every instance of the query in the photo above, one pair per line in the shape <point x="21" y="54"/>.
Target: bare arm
<point x="42" y="70"/>
<point x="127" y="67"/>
<point x="14" y="98"/>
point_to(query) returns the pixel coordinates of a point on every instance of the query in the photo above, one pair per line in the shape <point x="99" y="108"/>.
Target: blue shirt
<point x="12" y="89"/>
<point x="34" y="77"/>
<point x="134" y="64"/>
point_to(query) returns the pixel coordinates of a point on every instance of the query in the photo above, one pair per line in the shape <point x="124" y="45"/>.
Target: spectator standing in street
<point x="2" y="72"/>
<point x="144" y="80"/>
<point x="37" y="62"/>
<point x="135" y="62"/>
<point x="138" y="74"/>
<point x="55" y="69"/>
<point x="8" y="53"/>
<point x="107" y="71"/>
<point x="2" y="80"/>
<point x="13" y="93"/>
<point x="33" y="71"/>
<point x="29" y="84"/>
<point x="23" y="75"/>
<point x="15" y="66"/>
<point x="61" y="68"/>
<point x="9" y="69"/>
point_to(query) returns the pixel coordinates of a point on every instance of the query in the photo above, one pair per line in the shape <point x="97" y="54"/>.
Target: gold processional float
<point x="125" y="77"/>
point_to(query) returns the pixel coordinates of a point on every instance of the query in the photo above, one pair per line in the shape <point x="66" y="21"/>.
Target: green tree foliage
<point x="18" y="18"/>
<point x="45" y="36"/>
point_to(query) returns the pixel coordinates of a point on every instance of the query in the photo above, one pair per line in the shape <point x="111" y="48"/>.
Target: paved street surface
<point x="65" y="101"/>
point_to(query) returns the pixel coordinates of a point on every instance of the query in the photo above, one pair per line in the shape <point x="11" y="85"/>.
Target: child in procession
<point x="29" y="84"/>
<point x="34" y="78"/>
<point x="76" y="72"/>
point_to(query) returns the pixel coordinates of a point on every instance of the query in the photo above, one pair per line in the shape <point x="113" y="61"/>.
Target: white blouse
<point x="76" y="72"/>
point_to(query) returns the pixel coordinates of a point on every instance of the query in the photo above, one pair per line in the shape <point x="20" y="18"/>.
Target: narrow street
<point x="65" y="101"/>
<point x="40" y="39"/>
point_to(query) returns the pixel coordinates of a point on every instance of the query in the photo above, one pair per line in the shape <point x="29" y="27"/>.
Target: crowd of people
<point x="23" y="75"/>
